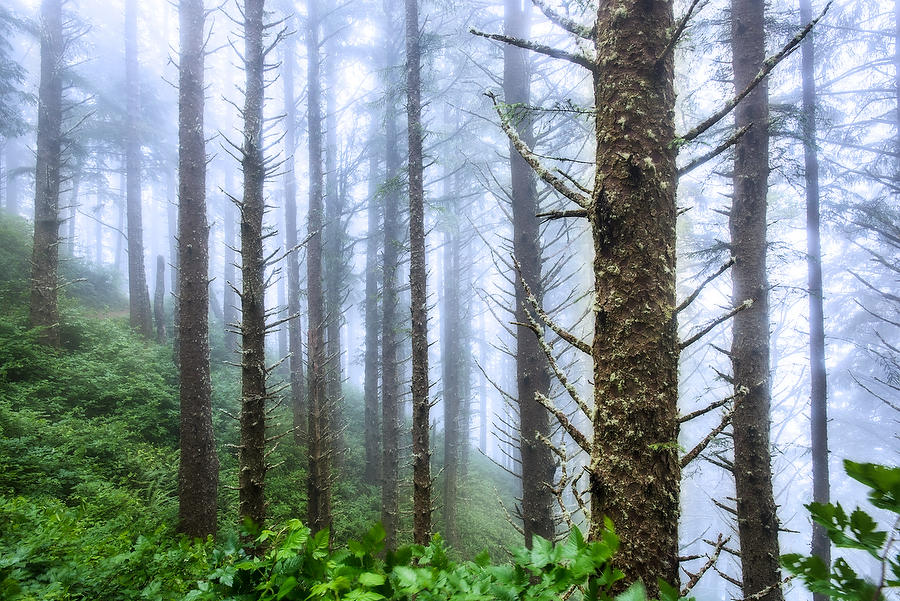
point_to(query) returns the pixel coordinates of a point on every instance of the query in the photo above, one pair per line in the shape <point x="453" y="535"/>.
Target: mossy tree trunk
<point x="251" y="455"/>
<point x="319" y="475"/>
<point x="44" y="303"/>
<point x="418" y="284"/>
<point x="372" y="316"/>
<point x="634" y="468"/>
<point x="198" y="472"/>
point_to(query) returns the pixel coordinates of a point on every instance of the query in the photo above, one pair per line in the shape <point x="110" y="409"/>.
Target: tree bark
<point x="418" y="284"/>
<point x="198" y="473"/>
<point x="138" y="295"/>
<point x="757" y="521"/>
<point x="634" y="469"/>
<point x="372" y="315"/>
<point x="818" y="400"/>
<point x="231" y="301"/>
<point x="159" y="300"/>
<point x="319" y="475"/>
<point x="251" y="457"/>
<point x="532" y="372"/>
<point x="44" y="304"/>
<point x="295" y="342"/>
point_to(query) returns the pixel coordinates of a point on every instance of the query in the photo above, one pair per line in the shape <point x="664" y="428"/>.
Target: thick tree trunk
<point x="138" y="295"/>
<point x="319" y="475"/>
<point x="634" y="468"/>
<point x="372" y="315"/>
<point x="757" y="522"/>
<point x="159" y="300"/>
<point x="417" y="283"/>
<point x="390" y="382"/>
<point x="198" y="473"/>
<point x="295" y="341"/>
<point x="532" y="373"/>
<point x="818" y="400"/>
<point x="44" y="307"/>
<point x="251" y="458"/>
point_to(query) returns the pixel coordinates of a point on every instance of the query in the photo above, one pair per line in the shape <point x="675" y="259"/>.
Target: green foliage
<point x="856" y="530"/>
<point x="298" y="565"/>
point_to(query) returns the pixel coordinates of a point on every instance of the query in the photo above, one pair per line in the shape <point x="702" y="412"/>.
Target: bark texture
<point x="421" y="447"/>
<point x="634" y="468"/>
<point x="757" y="522"/>
<point x="818" y="399"/>
<point x="319" y="475"/>
<point x="198" y="473"/>
<point x="295" y="342"/>
<point x="138" y="294"/>
<point x="451" y="369"/>
<point x="532" y="373"/>
<point x="44" y="304"/>
<point x="251" y="456"/>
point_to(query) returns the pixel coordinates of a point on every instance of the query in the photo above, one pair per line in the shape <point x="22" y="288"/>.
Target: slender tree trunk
<point x="451" y="359"/>
<point x="138" y="295"/>
<point x="821" y="546"/>
<point x="333" y="252"/>
<point x="634" y="468"/>
<point x="295" y="340"/>
<point x="532" y="373"/>
<point x="172" y="214"/>
<point x="251" y="457"/>
<point x="370" y="383"/>
<point x="44" y="307"/>
<point x="98" y="228"/>
<point x="319" y="475"/>
<point x="198" y="473"/>
<point x="159" y="300"/>
<point x="73" y="206"/>
<point x="231" y="305"/>
<point x="482" y="386"/>
<point x="390" y="379"/>
<point x="757" y="522"/>
<point x="417" y="283"/>
<point x="121" y="239"/>
<point x="13" y="175"/>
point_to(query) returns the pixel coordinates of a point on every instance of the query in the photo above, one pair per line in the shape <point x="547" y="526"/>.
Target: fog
<point x="470" y="236"/>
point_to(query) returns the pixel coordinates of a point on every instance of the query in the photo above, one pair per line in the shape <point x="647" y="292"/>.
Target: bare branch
<point x="550" y="51"/>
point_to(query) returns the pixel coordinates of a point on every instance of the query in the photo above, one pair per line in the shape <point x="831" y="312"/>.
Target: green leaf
<point x="286" y="587"/>
<point x="541" y="551"/>
<point x="667" y="592"/>
<point x="371" y="579"/>
<point x="483" y="559"/>
<point x="883" y="480"/>
<point x="635" y="592"/>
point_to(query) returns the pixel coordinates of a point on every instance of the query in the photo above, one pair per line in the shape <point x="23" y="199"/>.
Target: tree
<point x="138" y="295"/>
<point x="198" y="472"/>
<point x="252" y="452"/>
<point x="44" y="307"/>
<point x="159" y="300"/>
<point x="318" y="442"/>
<point x="757" y="520"/>
<point x="393" y="241"/>
<point x="418" y="284"/>
<point x="633" y="472"/>
<point x="532" y="373"/>
<point x="821" y="546"/>
<point x="372" y="315"/>
<point x="295" y="342"/>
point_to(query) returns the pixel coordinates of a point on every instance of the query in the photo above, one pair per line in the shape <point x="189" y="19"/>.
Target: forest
<point x="469" y="300"/>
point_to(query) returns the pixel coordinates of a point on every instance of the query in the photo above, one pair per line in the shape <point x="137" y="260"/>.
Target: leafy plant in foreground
<point x="300" y="566"/>
<point x="856" y="530"/>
